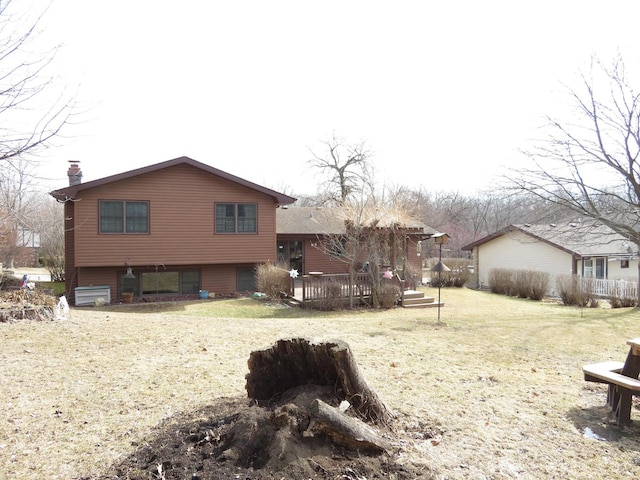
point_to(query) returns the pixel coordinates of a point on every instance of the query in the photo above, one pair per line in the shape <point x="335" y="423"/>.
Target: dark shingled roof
<point x="309" y="221"/>
<point x="322" y="220"/>
<point x="72" y="190"/>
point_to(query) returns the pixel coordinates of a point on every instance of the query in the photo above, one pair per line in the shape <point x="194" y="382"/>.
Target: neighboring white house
<point x="586" y="249"/>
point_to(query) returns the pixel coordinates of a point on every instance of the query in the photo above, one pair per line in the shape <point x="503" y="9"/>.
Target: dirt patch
<point x="296" y="423"/>
<point x="236" y="439"/>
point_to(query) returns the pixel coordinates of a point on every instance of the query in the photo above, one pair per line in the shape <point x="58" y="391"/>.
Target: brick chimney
<point x="74" y="173"/>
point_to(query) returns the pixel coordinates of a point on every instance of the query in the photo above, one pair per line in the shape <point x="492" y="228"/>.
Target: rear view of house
<point x="173" y="228"/>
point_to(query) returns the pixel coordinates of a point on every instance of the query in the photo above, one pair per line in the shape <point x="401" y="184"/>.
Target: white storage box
<point x="88" y="295"/>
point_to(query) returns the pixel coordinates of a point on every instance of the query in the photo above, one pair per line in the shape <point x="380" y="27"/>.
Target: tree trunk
<point x="294" y="362"/>
<point x="638" y="281"/>
<point x="344" y="430"/>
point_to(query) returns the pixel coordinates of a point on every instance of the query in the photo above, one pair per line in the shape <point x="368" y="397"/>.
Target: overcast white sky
<point x="443" y="93"/>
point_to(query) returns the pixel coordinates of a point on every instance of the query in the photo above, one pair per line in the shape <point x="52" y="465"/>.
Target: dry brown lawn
<point x="497" y="384"/>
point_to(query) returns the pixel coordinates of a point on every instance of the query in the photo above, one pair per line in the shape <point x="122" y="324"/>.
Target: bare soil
<point x="278" y="437"/>
<point x="235" y="439"/>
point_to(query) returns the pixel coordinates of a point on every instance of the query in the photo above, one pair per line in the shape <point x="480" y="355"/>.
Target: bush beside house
<point x="519" y="283"/>
<point x="457" y="277"/>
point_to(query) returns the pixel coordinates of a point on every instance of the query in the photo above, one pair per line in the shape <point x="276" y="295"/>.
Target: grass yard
<point x="493" y="391"/>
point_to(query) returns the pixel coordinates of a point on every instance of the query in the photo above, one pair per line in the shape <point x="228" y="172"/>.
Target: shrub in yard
<point x="520" y="287"/>
<point x="567" y="289"/>
<point x="538" y="284"/>
<point x="457" y="277"/>
<point x="520" y="283"/>
<point x="500" y="281"/>
<point x="577" y="291"/>
<point x="386" y="295"/>
<point x="331" y="300"/>
<point x="272" y="280"/>
<point x="623" y="296"/>
<point x="622" y="302"/>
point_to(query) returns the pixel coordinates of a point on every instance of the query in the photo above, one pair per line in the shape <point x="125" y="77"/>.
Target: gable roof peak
<point x="580" y="238"/>
<point x="70" y="192"/>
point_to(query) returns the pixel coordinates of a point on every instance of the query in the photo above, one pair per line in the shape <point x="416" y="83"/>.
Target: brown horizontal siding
<point x="316" y="260"/>
<point x="219" y="278"/>
<point x="214" y="278"/>
<point x="222" y="278"/>
<point x="69" y="248"/>
<point x="93" y="277"/>
<point x="181" y="211"/>
<point x="414" y="260"/>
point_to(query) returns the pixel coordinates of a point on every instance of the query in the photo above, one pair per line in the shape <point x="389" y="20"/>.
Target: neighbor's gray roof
<point x="584" y="238"/>
<point x="322" y="220"/>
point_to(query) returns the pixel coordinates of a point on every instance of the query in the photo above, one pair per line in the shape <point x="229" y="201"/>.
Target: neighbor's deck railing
<point x="610" y="288"/>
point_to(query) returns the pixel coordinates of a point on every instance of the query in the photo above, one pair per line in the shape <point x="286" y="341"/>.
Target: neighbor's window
<point x="624" y="263"/>
<point x="124" y="217"/>
<point x="236" y="218"/>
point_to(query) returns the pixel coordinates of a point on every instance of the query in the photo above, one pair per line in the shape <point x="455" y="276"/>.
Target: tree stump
<point x="294" y="362"/>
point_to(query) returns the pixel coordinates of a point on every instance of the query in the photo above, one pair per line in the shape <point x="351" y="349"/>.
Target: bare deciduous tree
<point x="375" y="236"/>
<point x="17" y="212"/>
<point x="589" y="165"/>
<point x="347" y="168"/>
<point x="31" y="114"/>
<point x="31" y="222"/>
<point x="49" y="223"/>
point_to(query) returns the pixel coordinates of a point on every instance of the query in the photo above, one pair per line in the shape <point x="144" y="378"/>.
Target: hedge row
<point x="519" y="283"/>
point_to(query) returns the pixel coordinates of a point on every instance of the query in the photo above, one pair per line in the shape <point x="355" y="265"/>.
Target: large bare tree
<point x="588" y="164"/>
<point x="346" y="167"/>
<point x="32" y="109"/>
<point x="48" y="222"/>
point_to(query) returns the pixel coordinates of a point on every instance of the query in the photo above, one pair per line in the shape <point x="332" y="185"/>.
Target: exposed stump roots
<point x="311" y="414"/>
<point x="294" y="362"/>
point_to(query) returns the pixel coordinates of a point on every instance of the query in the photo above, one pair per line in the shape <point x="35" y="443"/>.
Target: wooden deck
<point x="320" y="287"/>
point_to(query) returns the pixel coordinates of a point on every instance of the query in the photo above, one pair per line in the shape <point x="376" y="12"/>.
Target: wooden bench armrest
<point x="608" y="372"/>
<point x="609" y="366"/>
<point x="591" y="371"/>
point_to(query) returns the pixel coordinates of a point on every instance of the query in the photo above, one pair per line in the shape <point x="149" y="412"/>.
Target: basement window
<point x="172" y="282"/>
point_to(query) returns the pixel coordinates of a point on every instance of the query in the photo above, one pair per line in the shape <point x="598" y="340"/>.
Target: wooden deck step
<point x="415" y="299"/>
<point x="410" y="294"/>
<point x="424" y="305"/>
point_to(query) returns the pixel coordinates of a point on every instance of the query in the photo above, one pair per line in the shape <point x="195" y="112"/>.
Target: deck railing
<point x="320" y="287"/>
<point x="610" y="288"/>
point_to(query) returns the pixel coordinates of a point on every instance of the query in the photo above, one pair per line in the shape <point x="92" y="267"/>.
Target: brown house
<point x="309" y="236"/>
<point x="19" y="246"/>
<point x="173" y="228"/>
